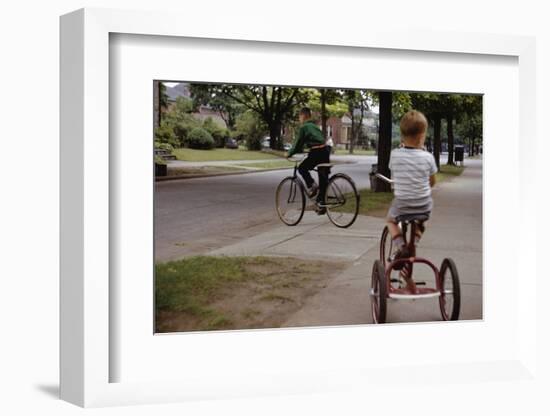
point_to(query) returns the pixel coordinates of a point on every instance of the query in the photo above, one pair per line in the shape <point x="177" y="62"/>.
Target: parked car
<point x="231" y="143"/>
<point x="287" y="146"/>
<point x="265" y="142"/>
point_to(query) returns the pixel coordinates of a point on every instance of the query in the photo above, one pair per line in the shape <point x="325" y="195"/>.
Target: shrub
<point x="165" y="134"/>
<point x="199" y="138"/>
<point x="159" y="160"/>
<point x="164" y="146"/>
<point x="219" y="134"/>
<point x="183" y="126"/>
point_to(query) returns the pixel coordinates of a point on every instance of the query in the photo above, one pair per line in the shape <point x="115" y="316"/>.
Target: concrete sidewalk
<point x="455" y="230"/>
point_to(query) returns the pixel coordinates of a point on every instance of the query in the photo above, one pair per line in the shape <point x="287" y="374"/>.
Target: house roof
<point x="179" y="90"/>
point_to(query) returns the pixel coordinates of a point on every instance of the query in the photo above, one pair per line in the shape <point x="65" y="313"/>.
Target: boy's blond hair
<point x="413" y="123"/>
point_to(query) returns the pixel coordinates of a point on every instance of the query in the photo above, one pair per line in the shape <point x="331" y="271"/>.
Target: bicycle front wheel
<point x="290" y="200"/>
<point x="342" y="200"/>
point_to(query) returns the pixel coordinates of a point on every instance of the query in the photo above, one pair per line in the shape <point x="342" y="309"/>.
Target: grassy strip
<point x="377" y="203"/>
<point x="446" y="172"/>
<point x="372" y="203"/>
<point x="276" y="164"/>
<point x="344" y="152"/>
<point x="195" y="155"/>
<point x="203" y="170"/>
<point x="194" y="288"/>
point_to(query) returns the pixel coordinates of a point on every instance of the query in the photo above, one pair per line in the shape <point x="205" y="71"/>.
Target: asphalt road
<point x="193" y="216"/>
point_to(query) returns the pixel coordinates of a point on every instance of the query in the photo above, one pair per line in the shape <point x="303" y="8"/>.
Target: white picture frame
<point x="85" y="217"/>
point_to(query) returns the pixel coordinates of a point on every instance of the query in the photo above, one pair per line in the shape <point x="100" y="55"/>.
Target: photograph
<point x="281" y="206"/>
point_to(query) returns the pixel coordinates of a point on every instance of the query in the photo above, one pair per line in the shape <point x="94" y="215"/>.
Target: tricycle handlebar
<point x="384" y="178"/>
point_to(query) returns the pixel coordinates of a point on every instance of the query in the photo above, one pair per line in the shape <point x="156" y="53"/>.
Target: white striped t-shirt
<point x="411" y="170"/>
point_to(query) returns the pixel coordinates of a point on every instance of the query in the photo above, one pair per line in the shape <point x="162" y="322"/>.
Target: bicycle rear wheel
<point x="342" y="200"/>
<point x="290" y="200"/>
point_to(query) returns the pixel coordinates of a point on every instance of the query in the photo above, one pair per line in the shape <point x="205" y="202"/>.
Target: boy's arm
<point x="298" y="143"/>
<point x="432" y="181"/>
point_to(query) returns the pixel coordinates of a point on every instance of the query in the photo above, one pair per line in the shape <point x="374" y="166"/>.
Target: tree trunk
<point x="157" y="109"/>
<point x="275" y="135"/>
<point x="352" y="133"/>
<point x="450" y="140"/>
<point x="437" y="139"/>
<point x="384" y="139"/>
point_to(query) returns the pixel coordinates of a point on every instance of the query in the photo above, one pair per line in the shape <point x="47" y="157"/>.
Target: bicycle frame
<point x="295" y="176"/>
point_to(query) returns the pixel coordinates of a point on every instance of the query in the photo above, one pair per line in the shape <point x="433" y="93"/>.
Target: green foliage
<point x="218" y="133"/>
<point x="401" y="103"/>
<point x="159" y="160"/>
<point x="164" y="134"/>
<point x="334" y="101"/>
<point x="251" y="128"/>
<point x="211" y="95"/>
<point x="163" y="97"/>
<point x="183" y="105"/>
<point x="199" y="138"/>
<point x="164" y="146"/>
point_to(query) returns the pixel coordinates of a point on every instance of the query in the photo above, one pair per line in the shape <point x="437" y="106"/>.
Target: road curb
<point x="205" y="175"/>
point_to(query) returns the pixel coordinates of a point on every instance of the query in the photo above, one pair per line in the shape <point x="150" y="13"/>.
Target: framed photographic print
<point x="200" y="258"/>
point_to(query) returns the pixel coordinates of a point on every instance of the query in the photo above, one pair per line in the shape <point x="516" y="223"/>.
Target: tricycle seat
<point x="408" y="218"/>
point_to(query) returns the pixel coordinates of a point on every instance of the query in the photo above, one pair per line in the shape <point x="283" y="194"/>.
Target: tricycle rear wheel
<point x="449" y="300"/>
<point x="379" y="293"/>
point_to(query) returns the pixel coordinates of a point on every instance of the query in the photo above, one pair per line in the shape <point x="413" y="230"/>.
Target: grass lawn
<point x="195" y="155"/>
<point x="447" y="172"/>
<point x="344" y="152"/>
<point x="203" y="170"/>
<point x="374" y="203"/>
<point x="276" y="164"/>
<point x="217" y="292"/>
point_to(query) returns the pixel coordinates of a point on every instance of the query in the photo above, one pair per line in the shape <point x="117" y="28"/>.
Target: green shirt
<point x="308" y="135"/>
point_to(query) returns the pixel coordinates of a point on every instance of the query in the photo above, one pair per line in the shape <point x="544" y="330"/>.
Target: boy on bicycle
<point x="413" y="171"/>
<point x="310" y="136"/>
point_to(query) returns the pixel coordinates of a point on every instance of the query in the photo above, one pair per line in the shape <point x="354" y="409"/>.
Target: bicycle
<point x="384" y="287"/>
<point x="341" y="198"/>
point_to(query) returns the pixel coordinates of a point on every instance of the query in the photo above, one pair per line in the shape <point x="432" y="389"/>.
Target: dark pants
<point x="315" y="157"/>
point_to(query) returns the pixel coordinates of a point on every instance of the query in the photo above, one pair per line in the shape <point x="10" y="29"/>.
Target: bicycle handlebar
<point x="301" y="156"/>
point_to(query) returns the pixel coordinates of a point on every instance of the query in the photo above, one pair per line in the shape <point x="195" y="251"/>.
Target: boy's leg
<point x="420" y="228"/>
<point x="322" y="157"/>
<point x="304" y="168"/>
<point x="399" y="248"/>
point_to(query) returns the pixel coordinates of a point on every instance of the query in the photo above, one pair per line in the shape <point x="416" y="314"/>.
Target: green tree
<point x="358" y="103"/>
<point x="250" y="128"/>
<point x="330" y="104"/>
<point x="431" y="105"/>
<point x="470" y="122"/>
<point x="210" y="95"/>
<point x="273" y="104"/>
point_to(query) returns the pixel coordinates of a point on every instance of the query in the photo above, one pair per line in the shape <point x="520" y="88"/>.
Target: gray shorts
<point x="403" y="207"/>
